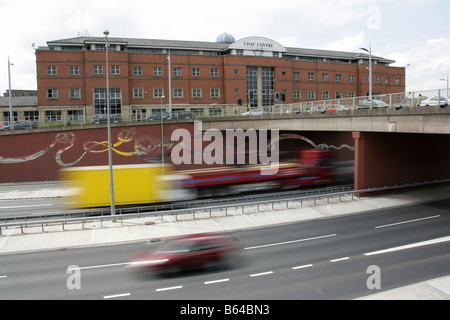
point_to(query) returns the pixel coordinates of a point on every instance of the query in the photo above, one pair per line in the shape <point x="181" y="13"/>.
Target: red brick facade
<point x="199" y="80"/>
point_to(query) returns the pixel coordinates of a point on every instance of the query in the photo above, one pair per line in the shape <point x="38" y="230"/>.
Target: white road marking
<point x="340" y="259"/>
<point x="3" y="277"/>
<point x="408" y="221"/>
<point x="302" y="267"/>
<point x="170" y="288"/>
<point x="101" y="266"/>
<point x="217" y="281"/>
<point x="117" y="296"/>
<point x="261" y="274"/>
<point x="409" y="246"/>
<point x="289" y="242"/>
<point x="28" y="206"/>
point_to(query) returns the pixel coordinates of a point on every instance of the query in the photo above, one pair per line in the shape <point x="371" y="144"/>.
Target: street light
<point x="108" y="114"/>
<point x="447" y="86"/>
<point x="370" y="73"/>
<point x="11" y="116"/>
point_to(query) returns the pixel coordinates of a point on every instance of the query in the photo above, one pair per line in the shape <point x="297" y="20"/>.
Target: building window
<point x="215" y="93"/>
<point x="74" y="70"/>
<point x="388" y="80"/>
<point x="236" y="72"/>
<point x="177" y="72"/>
<point x="51" y="70"/>
<point x="31" y="115"/>
<point x="178" y="93"/>
<point x="197" y="111"/>
<point x="324" y="77"/>
<point x="138" y="93"/>
<point x="137" y="71"/>
<point x="351" y="78"/>
<point x="158" y="93"/>
<point x="196" y="93"/>
<point x="115" y="100"/>
<point x="75" y="115"/>
<point x="378" y="79"/>
<point x="297" y="94"/>
<point x="52" y="93"/>
<point x="196" y="72"/>
<point x="351" y="94"/>
<point x="398" y="81"/>
<point x="310" y="75"/>
<point x="115" y="69"/>
<point x="98" y="69"/>
<point x="53" y="116"/>
<point x="157" y="71"/>
<point x="214" y="73"/>
<point x="296" y="75"/>
<point x="311" y="94"/>
<point x="338" y="77"/>
<point x="74" y="93"/>
<point x="325" y="95"/>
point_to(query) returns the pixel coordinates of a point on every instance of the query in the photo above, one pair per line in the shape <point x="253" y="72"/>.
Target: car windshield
<point x="175" y="247"/>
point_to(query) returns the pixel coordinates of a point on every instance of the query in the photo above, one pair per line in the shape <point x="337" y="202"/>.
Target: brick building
<point x="206" y="77"/>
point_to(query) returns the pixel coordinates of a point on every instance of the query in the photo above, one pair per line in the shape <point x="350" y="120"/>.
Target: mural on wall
<point x="146" y="147"/>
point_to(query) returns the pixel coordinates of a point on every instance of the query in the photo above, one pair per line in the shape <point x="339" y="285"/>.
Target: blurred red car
<point x="188" y="252"/>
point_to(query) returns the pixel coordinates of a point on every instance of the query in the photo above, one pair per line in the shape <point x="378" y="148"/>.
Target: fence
<point x="208" y="209"/>
<point x="150" y="113"/>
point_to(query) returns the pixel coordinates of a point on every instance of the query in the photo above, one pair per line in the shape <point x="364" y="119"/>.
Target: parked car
<point x="22" y="124"/>
<point x="434" y="101"/>
<point x="335" y="107"/>
<point x="365" y="104"/>
<point x="104" y="118"/>
<point x="157" y="116"/>
<point x="182" y="115"/>
<point x="254" y="112"/>
<point x="207" y="250"/>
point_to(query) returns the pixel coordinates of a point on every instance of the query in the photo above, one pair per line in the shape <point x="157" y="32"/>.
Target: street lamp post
<point x="370" y="74"/>
<point x="162" y="137"/>
<point x="108" y="114"/>
<point x="11" y="115"/>
<point x="447" y="79"/>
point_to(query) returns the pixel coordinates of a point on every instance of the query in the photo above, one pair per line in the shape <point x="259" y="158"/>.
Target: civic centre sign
<point x="258" y="43"/>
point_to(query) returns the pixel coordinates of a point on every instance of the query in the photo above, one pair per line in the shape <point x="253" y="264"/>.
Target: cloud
<point x="428" y="62"/>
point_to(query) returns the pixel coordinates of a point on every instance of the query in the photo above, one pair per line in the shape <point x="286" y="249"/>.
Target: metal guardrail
<point x="209" y="209"/>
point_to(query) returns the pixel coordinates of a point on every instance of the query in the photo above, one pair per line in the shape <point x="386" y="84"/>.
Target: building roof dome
<point x="225" y="37"/>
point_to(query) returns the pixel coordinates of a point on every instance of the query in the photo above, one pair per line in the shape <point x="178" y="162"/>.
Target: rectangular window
<point x="311" y="94"/>
<point x="196" y="72"/>
<point x="158" y="93"/>
<point x="115" y="100"/>
<point x="157" y="71"/>
<point x="196" y="93"/>
<point x="178" y="93"/>
<point x="325" y="95"/>
<point x="215" y="93"/>
<point x="98" y="69"/>
<point x="324" y="77"/>
<point x="214" y="73"/>
<point x="74" y="93"/>
<point x="137" y="71"/>
<point x="52" y="93"/>
<point x="51" y="70"/>
<point x="296" y="75"/>
<point x="115" y="69"/>
<point x="338" y="77"/>
<point x="138" y="93"/>
<point x="311" y="76"/>
<point x="351" y="78"/>
<point x="297" y="94"/>
<point x="74" y="70"/>
<point x="177" y="72"/>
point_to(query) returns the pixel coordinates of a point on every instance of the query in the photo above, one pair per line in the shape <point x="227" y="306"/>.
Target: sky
<point x="414" y="33"/>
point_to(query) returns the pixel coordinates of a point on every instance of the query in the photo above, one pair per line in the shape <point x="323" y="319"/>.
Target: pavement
<point x="157" y="227"/>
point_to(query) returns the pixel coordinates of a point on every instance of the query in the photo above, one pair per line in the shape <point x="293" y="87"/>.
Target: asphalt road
<point x="325" y="259"/>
